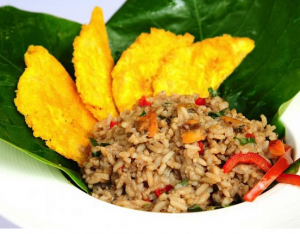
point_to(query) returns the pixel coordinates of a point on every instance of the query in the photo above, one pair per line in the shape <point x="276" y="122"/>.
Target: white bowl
<point x="36" y="195"/>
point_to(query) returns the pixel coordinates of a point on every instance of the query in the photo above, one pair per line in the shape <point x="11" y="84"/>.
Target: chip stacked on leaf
<point x="93" y="65"/>
<point x="48" y="99"/>
<point x="204" y="64"/>
<point x="134" y="72"/>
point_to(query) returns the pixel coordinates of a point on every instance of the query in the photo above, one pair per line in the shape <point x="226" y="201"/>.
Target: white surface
<point x="76" y="10"/>
<point x="35" y="195"/>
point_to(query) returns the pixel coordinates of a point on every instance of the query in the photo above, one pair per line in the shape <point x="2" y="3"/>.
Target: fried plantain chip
<point x="48" y="99"/>
<point x="133" y="74"/>
<point x="204" y="64"/>
<point x="93" y="64"/>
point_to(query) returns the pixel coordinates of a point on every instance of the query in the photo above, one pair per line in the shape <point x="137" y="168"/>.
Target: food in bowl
<point x="167" y="154"/>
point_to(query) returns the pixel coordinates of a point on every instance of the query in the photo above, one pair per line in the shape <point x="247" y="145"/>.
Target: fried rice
<point x="177" y="168"/>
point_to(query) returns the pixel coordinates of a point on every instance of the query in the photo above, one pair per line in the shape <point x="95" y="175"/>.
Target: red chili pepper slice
<point x="143" y="102"/>
<point x="282" y="178"/>
<point x="283" y="162"/>
<point x="147" y="199"/>
<point x="249" y="135"/>
<point x="200" y="144"/>
<point x="200" y="101"/>
<point x="168" y="188"/>
<point x="246" y="158"/>
<point x="163" y="190"/>
<point x="158" y="192"/>
<point x="276" y="148"/>
<point x="289" y="179"/>
<point x="112" y="124"/>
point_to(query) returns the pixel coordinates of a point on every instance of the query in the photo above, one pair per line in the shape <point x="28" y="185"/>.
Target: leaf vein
<point x="295" y="55"/>
<point x="19" y="31"/>
<point x="198" y="20"/>
<point x="265" y="61"/>
<point x="11" y="63"/>
<point x="245" y="18"/>
<point x="154" y="22"/>
<point x="227" y="16"/>
<point x="8" y="107"/>
<point x="10" y="125"/>
<point x="269" y="21"/>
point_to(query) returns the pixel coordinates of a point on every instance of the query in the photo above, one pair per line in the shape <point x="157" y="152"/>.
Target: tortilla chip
<point x="133" y="74"/>
<point x="204" y="64"/>
<point x="93" y="64"/>
<point x="48" y="99"/>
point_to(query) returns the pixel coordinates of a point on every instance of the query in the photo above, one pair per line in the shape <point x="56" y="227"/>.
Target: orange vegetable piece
<point x="153" y="128"/>
<point x="233" y="121"/>
<point x="276" y="148"/>
<point x="148" y="122"/>
<point x="193" y="136"/>
<point x="142" y="123"/>
<point x="192" y="122"/>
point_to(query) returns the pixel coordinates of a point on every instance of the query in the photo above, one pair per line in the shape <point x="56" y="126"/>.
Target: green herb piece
<point x="184" y="182"/>
<point x="104" y="144"/>
<point x="161" y="117"/>
<point x="143" y="113"/>
<point x="146" y="205"/>
<point x="293" y="168"/>
<point x="96" y="154"/>
<point x="167" y="104"/>
<point x="194" y="208"/>
<point x="218" y="114"/>
<point x="214" y="207"/>
<point x="94" y="142"/>
<point x="213" y="93"/>
<point x="245" y="141"/>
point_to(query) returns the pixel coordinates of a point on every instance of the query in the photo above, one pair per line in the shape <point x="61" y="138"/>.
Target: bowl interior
<point x="37" y="195"/>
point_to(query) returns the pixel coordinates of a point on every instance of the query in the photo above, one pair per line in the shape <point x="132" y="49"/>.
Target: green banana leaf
<point x="18" y="30"/>
<point x="265" y="80"/>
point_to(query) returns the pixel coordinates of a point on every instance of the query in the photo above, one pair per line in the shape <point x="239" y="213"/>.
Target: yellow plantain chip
<point x="93" y="64"/>
<point x="204" y="64"/>
<point x="48" y="99"/>
<point x="133" y="74"/>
